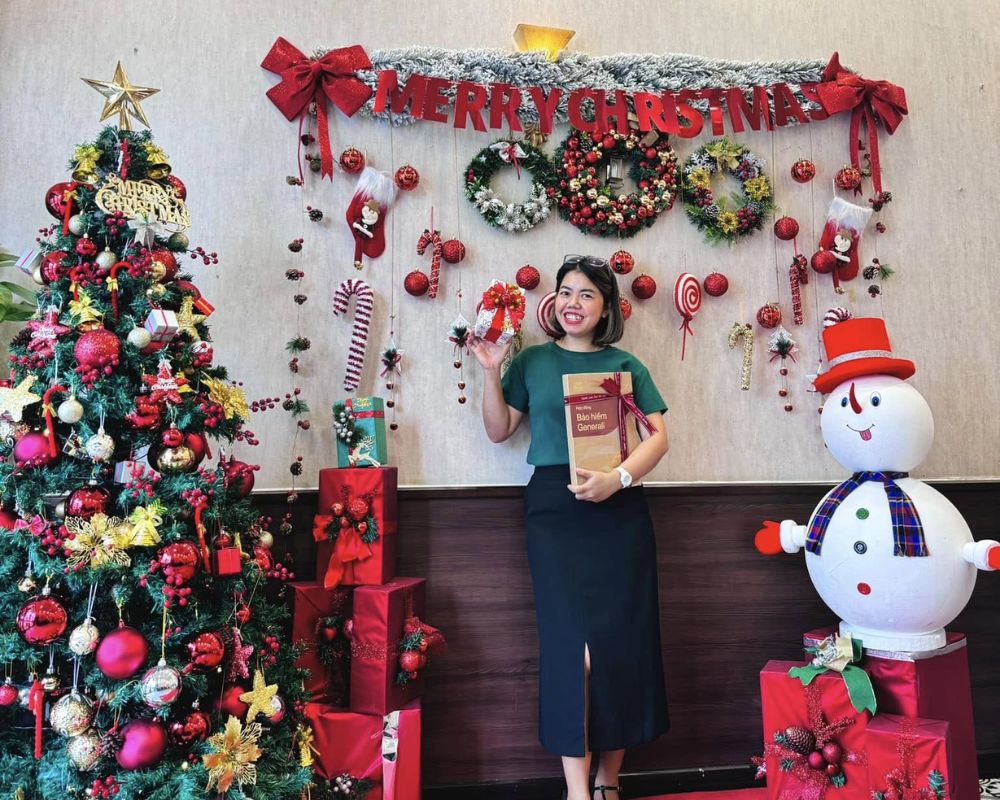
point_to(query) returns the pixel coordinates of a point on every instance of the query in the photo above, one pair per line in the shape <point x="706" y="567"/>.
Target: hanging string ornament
<point x="364" y="306"/>
<point x="782" y="345"/>
<point x="391" y="357"/>
<point x="458" y="335"/>
<point x="687" y="301"/>
<point x="431" y="238"/>
<point x="798" y="273"/>
<point x="878" y="272"/>
<point x="744" y="331"/>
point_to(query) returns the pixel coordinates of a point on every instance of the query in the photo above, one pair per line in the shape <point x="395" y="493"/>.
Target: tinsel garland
<point x="654" y="73"/>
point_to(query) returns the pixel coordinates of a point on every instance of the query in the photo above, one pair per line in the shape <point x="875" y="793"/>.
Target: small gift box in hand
<point x="500" y="312"/>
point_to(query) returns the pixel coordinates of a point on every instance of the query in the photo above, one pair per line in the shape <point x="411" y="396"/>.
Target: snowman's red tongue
<point x="866" y="434"/>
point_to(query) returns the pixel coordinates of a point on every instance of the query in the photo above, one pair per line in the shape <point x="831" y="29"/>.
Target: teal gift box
<point x="359" y="423"/>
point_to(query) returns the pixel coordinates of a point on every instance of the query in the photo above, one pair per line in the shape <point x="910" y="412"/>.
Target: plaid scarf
<point x="907" y="530"/>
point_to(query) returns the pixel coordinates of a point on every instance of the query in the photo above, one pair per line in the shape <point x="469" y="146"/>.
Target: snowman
<point x="890" y="555"/>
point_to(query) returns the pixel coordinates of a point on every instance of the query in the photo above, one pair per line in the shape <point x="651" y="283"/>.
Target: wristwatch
<point x="625" y="475"/>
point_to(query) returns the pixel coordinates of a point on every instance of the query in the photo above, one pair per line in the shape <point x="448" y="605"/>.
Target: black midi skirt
<point x="593" y="567"/>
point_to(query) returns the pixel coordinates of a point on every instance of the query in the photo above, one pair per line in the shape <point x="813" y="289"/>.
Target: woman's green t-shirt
<point x="533" y="385"/>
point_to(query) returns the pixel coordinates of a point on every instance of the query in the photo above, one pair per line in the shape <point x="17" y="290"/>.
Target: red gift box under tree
<point x="319" y="619"/>
<point x="908" y="758"/>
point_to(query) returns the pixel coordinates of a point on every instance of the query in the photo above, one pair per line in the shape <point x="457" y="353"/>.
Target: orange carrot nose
<point x="854" y="401"/>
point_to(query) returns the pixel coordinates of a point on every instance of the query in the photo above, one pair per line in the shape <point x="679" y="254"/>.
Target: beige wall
<point x="233" y="149"/>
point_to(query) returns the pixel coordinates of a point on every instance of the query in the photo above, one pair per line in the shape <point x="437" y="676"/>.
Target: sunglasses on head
<point x="590" y="261"/>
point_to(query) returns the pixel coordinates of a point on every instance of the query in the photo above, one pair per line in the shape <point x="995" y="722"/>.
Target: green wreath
<point x="511" y="217"/>
<point x="596" y="207"/>
<point x="726" y="218"/>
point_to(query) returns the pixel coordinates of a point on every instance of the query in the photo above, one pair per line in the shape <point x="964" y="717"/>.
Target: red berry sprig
<point x="206" y="258"/>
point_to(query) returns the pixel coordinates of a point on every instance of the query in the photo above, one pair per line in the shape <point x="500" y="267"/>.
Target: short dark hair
<point x="611" y="328"/>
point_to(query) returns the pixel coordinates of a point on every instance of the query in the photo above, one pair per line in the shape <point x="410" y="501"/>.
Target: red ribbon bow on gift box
<point x="506" y="300"/>
<point x="305" y="80"/>
<point x="866" y="99"/>
<point x="348" y="548"/>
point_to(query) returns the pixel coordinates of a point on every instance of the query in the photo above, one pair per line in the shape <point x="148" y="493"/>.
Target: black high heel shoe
<point x="605" y="789"/>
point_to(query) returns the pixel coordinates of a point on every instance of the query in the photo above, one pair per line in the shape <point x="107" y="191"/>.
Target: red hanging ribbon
<point x="626" y="405"/>
<point x="36" y="705"/>
<point x="686" y="327"/>
<point x="867" y="100"/>
<point x="305" y="80"/>
<point x="68" y="197"/>
<point x="50" y="431"/>
<point x="348" y="548"/>
<point x="126" y="160"/>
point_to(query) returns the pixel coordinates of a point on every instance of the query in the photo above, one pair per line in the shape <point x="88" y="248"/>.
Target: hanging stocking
<point x="838" y="246"/>
<point x="373" y="195"/>
<point x="359" y="333"/>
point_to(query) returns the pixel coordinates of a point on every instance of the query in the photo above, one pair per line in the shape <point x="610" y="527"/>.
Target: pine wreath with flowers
<point x="598" y="208"/>
<point x="511" y="217"/>
<point x="743" y="212"/>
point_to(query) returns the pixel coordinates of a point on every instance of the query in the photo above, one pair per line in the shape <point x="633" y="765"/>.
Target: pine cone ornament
<point x="712" y="211"/>
<point x="800" y="739"/>
<point x="112" y="742"/>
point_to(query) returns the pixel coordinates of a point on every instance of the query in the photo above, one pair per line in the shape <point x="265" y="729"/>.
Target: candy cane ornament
<point x="745" y="331"/>
<point x="544" y="314"/>
<point x="50" y="431"/>
<point x="798" y="273"/>
<point x="359" y="332"/>
<point x="432" y="238"/>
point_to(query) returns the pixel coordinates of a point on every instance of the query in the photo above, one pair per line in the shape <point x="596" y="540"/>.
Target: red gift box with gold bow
<point x="356" y="526"/>
<point x="326" y="656"/>
<point x="382" y="749"/>
<point x="384" y="618"/>
<point x="909" y="758"/>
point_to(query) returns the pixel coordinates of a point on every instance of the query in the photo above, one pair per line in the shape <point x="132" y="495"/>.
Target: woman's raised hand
<point x="489" y="354"/>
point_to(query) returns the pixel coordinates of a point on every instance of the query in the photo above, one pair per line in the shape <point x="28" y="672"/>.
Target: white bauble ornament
<point x="84" y="750"/>
<point x="106" y="259"/>
<point x="70" y="410"/>
<point x="266" y="540"/>
<point x="100" y="446"/>
<point x="71" y="714"/>
<point x="75" y="225"/>
<point x="160" y="686"/>
<point x="84" y="637"/>
<point x="139" y="338"/>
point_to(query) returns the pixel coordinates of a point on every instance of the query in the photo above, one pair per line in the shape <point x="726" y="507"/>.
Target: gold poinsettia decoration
<point x="728" y="221"/>
<point x="231" y="398"/>
<point x="236" y="751"/>
<point x="757" y="188"/>
<point x="102" y="540"/>
<point x="726" y="153"/>
<point x="700" y="178"/>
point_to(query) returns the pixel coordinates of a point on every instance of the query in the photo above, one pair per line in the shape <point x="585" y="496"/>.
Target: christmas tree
<point x="140" y="651"/>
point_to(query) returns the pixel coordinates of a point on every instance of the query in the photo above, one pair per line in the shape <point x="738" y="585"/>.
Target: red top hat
<point x="859" y="347"/>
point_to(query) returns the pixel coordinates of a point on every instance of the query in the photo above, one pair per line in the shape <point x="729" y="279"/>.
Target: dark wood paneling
<point x="725" y="611"/>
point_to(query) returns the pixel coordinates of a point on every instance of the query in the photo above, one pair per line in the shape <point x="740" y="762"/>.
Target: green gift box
<point x="359" y="423"/>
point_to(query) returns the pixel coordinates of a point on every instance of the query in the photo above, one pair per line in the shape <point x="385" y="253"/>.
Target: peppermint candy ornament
<point x="364" y="306"/>
<point x="687" y="300"/>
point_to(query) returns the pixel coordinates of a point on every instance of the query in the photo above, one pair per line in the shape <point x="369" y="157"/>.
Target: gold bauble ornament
<point x="75" y="225"/>
<point x="71" y="714"/>
<point x="50" y="681"/>
<point x="139" y="338"/>
<point x="176" y="459"/>
<point x="106" y="259"/>
<point x="100" y="446"/>
<point x="84" y="750"/>
<point x="178" y="241"/>
<point x="157" y="270"/>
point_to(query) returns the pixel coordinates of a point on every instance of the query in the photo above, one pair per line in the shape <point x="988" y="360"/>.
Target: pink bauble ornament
<point x="179" y="561"/>
<point x="122" y="653"/>
<point x="816" y="760"/>
<point x="143" y="743"/>
<point x="453" y="251"/>
<point x="32" y="450"/>
<point x="55" y="199"/>
<point x="8" y="693"/>
<point x="42" y="620"/>
<point x="51" y="268"/>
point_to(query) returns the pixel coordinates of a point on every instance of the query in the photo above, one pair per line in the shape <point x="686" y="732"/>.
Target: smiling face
<point x="877" y="422"/>
<point x="579" y="306"/>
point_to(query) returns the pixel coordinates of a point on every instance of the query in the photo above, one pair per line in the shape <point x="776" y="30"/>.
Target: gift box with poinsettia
<point x="908" y="758"/>
<point x="931" y="685"/>
<point x="356" y="526"/>
<point x="319" y="628"/>
<point x="390" y="645"/>
<point x="814" y="737"/>
<point x="365" y="756"/>
<point x="500" y="312"/>
<point x="359" y="423"/>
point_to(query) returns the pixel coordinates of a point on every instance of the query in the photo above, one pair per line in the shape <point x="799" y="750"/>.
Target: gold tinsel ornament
<point x="236" y="752"/>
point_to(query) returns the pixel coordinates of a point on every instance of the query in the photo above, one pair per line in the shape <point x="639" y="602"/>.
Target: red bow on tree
<point x="304" y="80"/>
<point x="865" y="99"/>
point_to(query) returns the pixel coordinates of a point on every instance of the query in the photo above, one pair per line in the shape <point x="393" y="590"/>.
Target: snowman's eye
<point x="860" y="548"/>
<point x="876" y="399"/>
<point x="843" y="402"/>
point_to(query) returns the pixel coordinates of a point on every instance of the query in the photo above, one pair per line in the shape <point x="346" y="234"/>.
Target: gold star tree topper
<point x="122" y="97"/>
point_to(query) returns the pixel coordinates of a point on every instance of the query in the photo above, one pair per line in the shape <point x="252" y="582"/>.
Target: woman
<point x="590" y="543"/>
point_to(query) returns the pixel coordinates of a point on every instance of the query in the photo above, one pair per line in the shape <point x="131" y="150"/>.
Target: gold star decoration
<point x="13" y="399"/>
<point x="236" y="751"/>
<point x="122" y="97"/>
<point x="260" y="697"/>
<point x="187" y="319"/>
<point x="231" y="398"/>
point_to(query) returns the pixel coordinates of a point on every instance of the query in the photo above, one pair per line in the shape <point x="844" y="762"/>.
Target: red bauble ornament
<point x="626" y="307"/>
<point x="51" y="267"/>
<point x="143" y="743"/>
<point x="832" y="752"/>
<point x="178" y="186"/>
<point x="238" y="474"/>
<point x="352" y="160"/>
<point x="803" y="170"/>
<point x="622" y="262"/>
<point x="85" y="247"/>
<point x="816" y="760"/>
<point x="206" y="650"/>
<point x="42" y="620"/>
<point x="179" y="561"/>
<point x="163" y="264"/>
<point x="198" y="445"/>
<point x="358" y="509"/>
<point x="195" y="727"/>
<point x="786" y="228"/>
<point x="263" y="557"/>
<point x="824" y="261"/>
<point x="716" y="284"/>
<point x="172" y="437"/>
<point x="87" y="501"/>
<point x="407" y="178"/>
<point x="55" y="199"/>
<point x="769" y="316"/>
<point x="97" y="349"/>
<point x="643" y="287"/>
<point x="453" y="251"/>
<point x="8" y="693"/>
<point x="122" y="653"/>
<point x="528" y="277"/>
<point x="32" y="450"/>
<point x="409" y="661"/>
<point x="230" y="703"/>
<point x="8" y="519"/>
<point x="848" y="179"/>
<point x="416" y="283"/>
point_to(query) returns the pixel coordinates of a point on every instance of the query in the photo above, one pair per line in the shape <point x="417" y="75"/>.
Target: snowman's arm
<point x="793" y="536"/>
<point x="984" y="554"/>
<point x="776" y="537"/>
